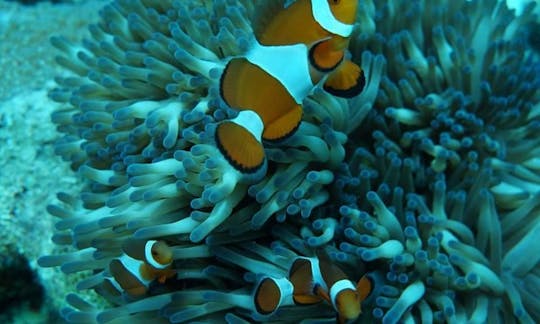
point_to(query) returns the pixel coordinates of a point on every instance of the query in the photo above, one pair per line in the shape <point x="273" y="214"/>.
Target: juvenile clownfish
<point x="297" y="47"/>
<point x="141" y="263"/>
<point x="316" y="279"/>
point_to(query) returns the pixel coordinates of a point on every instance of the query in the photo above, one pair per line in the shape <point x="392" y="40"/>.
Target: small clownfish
<point x="271" y="293"/>
<point x="316" y="279"/>
<point x="141" y="263"/>
<point x="297" y="47"/>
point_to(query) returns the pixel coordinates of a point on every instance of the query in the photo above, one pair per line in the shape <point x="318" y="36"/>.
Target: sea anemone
<point x="138" y="116"/>
<point x="428" y="179"/>
<point x="441" y="182"/>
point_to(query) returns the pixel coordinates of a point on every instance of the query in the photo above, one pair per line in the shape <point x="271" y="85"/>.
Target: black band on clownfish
<point x="346" y="82"/>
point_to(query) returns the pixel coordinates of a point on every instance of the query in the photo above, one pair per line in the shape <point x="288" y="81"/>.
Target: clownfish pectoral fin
<point x="284" y="126"/>
<point x="322" y="294"/>
<point x="325" y="56"/>
<point x="347" y="81"/>
<point x="165" y="274"/>
<point x="239" y="141"/>
<point x="364" y="287"/>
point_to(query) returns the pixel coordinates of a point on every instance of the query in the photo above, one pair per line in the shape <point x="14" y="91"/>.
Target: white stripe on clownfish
<point x="133" y="266"/>
<point x="126" y="271"/>
<point x="251" y="121"/>
<point x="323" y="15"/>
<point x="150" y="258"/>
<point x="316" y="273"/>
<point x="277" y="61"/>
<point x="114" y="284"/>
<point x="306" y="276"/>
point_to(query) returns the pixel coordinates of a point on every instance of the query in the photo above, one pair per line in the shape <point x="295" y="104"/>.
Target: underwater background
<point x="429" y="180"/>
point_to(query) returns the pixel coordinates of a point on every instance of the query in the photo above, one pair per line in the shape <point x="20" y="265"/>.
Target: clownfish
<point x="316" y="279"/>
<point x="296" y="47"/>
<point x="141" y="263"/>
<point x="310" y="281"/>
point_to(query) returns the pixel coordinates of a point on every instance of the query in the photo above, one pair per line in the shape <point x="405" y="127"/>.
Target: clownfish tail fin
<point x="267" y="296"/>
<point x="284" y="126"/>
<point x="347" y="81"/>
<point x="272" y="293"/>
<point x="239" y="141"/>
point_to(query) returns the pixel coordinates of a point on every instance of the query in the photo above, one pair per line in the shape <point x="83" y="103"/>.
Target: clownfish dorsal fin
<point x="265" y="14"/>
<point x="134" y="248"/>
<point x="347" y="81"/>
<point x="364" y="287"/>
<point x="286" y="23"/>
<point x="330" y="272"/>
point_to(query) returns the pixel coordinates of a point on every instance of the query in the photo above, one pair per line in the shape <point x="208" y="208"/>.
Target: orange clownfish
<point x="142" y="263"/>
<point x="317" y="279"/>
<point x="296" y="47"/>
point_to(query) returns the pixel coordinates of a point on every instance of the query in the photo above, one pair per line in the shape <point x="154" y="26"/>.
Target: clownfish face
<point x="348" y="304"/>
<point x="344" y="10"/>
<point x="161" y="253"/>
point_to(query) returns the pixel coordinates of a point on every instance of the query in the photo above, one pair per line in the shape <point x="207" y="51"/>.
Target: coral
<point x="428" y="179"/>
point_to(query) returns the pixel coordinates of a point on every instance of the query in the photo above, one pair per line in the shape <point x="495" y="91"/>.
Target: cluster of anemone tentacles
<point x="429" y="179"/>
